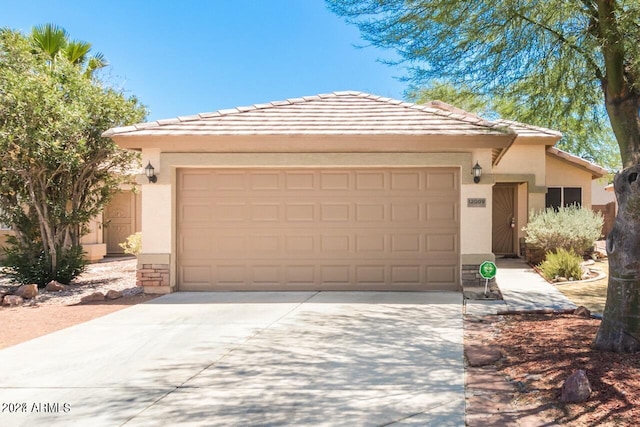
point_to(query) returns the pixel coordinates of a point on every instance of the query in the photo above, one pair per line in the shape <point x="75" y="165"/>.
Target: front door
<point x="119" y="220"/>
<point x="504" y="219"/>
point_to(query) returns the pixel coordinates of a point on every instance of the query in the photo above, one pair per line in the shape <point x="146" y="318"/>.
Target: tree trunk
<point x="620" y="327"/>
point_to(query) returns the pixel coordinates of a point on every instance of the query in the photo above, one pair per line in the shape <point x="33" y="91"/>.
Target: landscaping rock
<point x="576" y="388"/>
<point x="12" y="300"/>
<point x="54" y="286"/>
<point x="111" y="294"/>
<point x="482" y="355"/>
<point x="27" y="291"/>
<point x="561" y="279"/>
<point x="582" y="311"/>
<point x="96" y="296"/>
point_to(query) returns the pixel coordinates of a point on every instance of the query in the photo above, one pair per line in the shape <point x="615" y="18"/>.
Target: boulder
<point x="112" y="294"/>
<point x="582" y="311"/>
<point x="12" y="300"/>
<point x="576" y="388"/>
<point x="54" y="286"/>
<point x="27" y="291"/>
<point x="96" y="296"/>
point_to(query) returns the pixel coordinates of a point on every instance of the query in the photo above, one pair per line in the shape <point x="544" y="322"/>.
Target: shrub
<point x="133" y="244"/>
<point x="562" y="263"/>
<point x="27" y="264"/>
<point x="571" y="228"/>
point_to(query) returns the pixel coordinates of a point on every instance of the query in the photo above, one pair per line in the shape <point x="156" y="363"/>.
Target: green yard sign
<point x="488" y="270"/>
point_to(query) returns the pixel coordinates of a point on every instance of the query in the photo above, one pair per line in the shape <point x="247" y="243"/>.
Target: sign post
<point x="488" y="271"/>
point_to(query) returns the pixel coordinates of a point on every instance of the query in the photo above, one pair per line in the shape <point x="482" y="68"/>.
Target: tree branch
<point x="561" y="38"/>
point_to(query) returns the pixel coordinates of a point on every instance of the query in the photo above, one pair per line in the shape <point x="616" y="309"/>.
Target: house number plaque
<point x="477" y="203"/>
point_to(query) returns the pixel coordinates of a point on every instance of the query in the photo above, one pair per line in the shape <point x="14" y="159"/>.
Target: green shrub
<point x="133" y="244"/>
<point x="27" y="264"/>
<point x="562" y="263"/>
<point x="571" y="228"/>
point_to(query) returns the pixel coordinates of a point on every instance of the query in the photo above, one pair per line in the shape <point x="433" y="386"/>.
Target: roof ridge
<point x="458" y="115"/>
<point x="529" y="126"/>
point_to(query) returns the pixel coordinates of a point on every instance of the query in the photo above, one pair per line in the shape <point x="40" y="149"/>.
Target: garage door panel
<point x="318" y="229"/>
<point x="370" y="181"/>
<point x="300" y="181"/>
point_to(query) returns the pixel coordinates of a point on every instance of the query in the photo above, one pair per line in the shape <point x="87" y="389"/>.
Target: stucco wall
<point x="600" y="196"/>
<point x="563" y="174"/>
<point x="524" y="159"/>
<point x="158" y="200"/>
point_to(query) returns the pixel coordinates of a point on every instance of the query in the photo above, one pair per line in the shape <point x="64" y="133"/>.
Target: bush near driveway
<point x="562" y="263"/>
<point x="571" y="228"/>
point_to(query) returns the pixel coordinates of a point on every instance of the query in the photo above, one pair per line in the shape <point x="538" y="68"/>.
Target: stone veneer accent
<point x="471" y="276"/>
<point x="154" y="278"/>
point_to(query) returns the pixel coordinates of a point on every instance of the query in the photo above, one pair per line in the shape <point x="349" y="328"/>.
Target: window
<point x="563" y="196"/>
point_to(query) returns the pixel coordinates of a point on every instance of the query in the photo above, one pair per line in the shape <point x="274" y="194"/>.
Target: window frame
<point x="563" y="189"/>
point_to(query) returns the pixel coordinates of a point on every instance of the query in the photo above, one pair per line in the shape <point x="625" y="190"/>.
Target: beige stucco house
<point x="120" y="219"/>
<point x="340" y="191"/>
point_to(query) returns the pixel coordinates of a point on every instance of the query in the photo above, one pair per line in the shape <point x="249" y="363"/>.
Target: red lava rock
<point x="96" y="296"/>
<point x="576" y="388"/>
<point x="54" y="286"/>
<point x="12" y="300"/>
<point x="582" y="311"/>
<point x="112" y="294"/>
<point x="27" y="291"/>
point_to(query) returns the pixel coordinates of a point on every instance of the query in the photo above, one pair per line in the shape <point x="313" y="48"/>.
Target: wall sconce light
<point x="150" y="172"/>
<point x="476" y="171"/>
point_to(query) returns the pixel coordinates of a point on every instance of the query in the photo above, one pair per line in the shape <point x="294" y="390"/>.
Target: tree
<point x="588" y="137"/>
<point x="572" y="58"/>
<point x="54" y="42"/>
<point x="56" y="171"/>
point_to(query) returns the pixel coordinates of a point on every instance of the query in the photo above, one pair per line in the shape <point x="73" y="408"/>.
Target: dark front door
<point x="504" y="220"/>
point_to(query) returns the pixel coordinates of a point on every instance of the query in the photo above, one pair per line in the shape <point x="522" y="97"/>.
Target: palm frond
<point x="76" y="51"/>
<point x="50" y="38"/>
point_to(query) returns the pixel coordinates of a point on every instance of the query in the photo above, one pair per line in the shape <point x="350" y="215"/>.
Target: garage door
<point x="318" y="229"/>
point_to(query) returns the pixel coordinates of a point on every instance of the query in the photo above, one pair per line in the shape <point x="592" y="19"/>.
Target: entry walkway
<point x="522" y="289"/>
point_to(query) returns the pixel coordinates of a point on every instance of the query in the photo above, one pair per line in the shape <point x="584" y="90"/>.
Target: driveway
<point x="286" y="358"/>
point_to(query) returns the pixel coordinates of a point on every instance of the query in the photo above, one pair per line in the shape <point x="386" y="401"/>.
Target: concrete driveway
<point x="231" y="359"/>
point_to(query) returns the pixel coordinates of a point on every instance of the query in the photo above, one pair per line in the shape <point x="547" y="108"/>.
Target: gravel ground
<point x="111" y="274"/>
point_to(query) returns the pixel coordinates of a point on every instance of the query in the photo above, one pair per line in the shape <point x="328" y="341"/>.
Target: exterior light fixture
<point x="150" y="172"/>
<point x="476" y="171"/>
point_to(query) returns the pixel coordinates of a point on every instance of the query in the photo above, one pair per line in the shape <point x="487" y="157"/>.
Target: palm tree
<point x="54" y="41"/>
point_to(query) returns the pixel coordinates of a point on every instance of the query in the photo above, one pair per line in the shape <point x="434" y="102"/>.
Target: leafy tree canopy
<point x="588" y="137"/>
<point x="546" y="63"/>
<point x="565" y="61"/>
<point x="56" y="171"/>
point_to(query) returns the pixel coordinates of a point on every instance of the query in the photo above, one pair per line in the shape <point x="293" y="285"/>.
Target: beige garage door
<point x="318" y="229"/>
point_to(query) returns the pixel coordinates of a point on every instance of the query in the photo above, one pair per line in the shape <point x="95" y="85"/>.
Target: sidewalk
<point x="522" y="290"/>
<point x="489" y="395"/>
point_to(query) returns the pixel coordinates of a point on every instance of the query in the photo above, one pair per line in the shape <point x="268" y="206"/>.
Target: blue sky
<point x="193" y="56"/>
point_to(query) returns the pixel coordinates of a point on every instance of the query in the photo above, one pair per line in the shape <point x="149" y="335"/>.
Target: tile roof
<point x="338" y="113"/>
<point x="595" y="170"/>
<point x="523" y="129"/>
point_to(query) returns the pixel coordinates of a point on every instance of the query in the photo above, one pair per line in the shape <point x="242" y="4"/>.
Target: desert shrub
<point x="133" y="244"/>
<point x="562" y="263"/>
<point x="27" y="264"/>
<point x="571" y="228"/>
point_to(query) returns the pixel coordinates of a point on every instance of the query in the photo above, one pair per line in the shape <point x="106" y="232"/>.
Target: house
<point x="120" y="219"/>
<point x="341" y="191"/>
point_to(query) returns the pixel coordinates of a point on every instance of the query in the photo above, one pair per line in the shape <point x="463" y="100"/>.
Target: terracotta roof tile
<point x="338" y="113"/>
<point x="595" y="170"/>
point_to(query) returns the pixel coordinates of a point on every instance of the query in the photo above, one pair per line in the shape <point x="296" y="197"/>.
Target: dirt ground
<point x="590" y="294"/>
<point x="52" y="311"/>
<point x="541" y="351"/>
